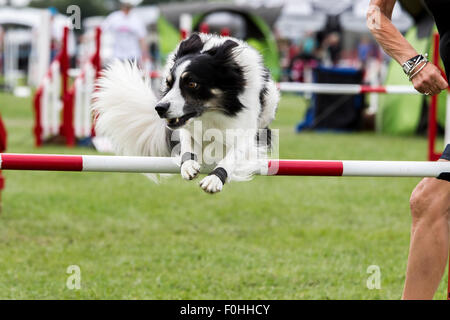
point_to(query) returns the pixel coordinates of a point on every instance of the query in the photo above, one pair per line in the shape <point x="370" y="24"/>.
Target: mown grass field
<point x="271" y="238"/>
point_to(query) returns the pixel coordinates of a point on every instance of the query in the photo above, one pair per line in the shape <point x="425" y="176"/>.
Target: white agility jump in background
<point x="91" y="163"/>
<point x="64" y="110"/>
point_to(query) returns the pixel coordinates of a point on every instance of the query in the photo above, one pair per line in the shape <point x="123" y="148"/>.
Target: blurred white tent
<point x="298" y="18"/>
<point x="266" y="3"/>
<point x="30" y="18"/>
<point x="301" y="16"/>
<point x="148" y="14"/>
<point x="235" y="23"/>
<point x="37" y="23"/>
<point x="27" y="17"/>
<point x="355" y="20"/>
<point x="332" y="7"/>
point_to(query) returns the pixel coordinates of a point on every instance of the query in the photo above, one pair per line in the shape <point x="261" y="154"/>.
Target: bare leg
<point x="429" y="248"/>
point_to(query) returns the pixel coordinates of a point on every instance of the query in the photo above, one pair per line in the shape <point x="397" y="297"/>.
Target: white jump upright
<point x="80" y="94"/>
<point x="40" y="50"/>
<point x="84" y="87"/>
<point x="51" y="104"/>
<point x="12" y="41"/>
<point x="185" y="25"/>
<point x="353" y="168"/>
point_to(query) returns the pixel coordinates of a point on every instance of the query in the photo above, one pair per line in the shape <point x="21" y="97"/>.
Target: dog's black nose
<point x="162" y="108"/>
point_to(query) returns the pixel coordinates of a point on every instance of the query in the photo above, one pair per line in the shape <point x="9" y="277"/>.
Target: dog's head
<point x="201" y="81"/>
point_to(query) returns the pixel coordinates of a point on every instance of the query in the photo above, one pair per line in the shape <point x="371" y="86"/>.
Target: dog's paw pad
<point x="190" y="169"/>
<point x="211" y="184"/>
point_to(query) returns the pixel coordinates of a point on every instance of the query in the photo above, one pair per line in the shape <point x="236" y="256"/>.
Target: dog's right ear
<point x="191" y="45"/>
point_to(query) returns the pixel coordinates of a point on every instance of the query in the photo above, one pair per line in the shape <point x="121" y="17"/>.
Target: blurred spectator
<point x="309" y="45"/>
<point x="302" y="66"/>
<point x="332" y="46"/>
<point x="294" y="50"/>
<point x="364" y="50"/>
<point x="283" y="45"/>
<point x="129" y="33"/>
<point x="56" y="34"/>
<point x="299" y="58"/>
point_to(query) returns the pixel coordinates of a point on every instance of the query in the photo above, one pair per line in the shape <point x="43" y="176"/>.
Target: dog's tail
<point x="124" y="105"/>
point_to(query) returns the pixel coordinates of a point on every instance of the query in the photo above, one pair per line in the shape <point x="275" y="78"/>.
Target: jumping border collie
<point x="220" y="81"/>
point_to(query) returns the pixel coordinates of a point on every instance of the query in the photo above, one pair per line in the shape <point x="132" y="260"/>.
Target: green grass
<point x="271" y="238"/>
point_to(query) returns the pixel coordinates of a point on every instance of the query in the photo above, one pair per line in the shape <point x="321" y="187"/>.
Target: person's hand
<point x="429" y="80"/>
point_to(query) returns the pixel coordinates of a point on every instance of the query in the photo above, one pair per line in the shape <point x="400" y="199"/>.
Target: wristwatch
<point x="409" y="65"/>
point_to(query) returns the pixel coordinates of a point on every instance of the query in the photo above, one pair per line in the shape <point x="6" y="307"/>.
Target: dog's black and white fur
<point x="219" y="80"/>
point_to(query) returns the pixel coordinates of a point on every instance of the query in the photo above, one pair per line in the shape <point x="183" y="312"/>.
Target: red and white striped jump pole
<point x="91" y="163"/>
<point x="45" y="162"/>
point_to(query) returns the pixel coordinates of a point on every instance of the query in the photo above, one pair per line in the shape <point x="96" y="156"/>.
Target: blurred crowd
<point x="300" y="57"/>
<point x="128" y="37"/>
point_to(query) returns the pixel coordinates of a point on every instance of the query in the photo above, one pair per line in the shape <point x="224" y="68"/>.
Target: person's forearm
<point x="386" y="34"/>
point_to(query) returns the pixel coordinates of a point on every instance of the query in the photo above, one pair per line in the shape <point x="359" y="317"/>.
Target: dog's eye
<point x="193" y="85"/>
<point x="169" y="82"/>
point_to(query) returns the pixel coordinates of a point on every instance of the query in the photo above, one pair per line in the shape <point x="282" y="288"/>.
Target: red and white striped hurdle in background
<point x="321" y="88"/>
<point x="91" y="163"/>
<point x="50" y="95"/>
<point x="333" y="88"/>
<point x="329" y="88"/>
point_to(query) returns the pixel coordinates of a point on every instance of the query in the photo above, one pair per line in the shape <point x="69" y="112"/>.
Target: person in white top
<point x="129" y="33"/>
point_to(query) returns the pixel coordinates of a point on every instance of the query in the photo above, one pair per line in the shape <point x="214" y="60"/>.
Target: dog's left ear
<point x="191" y="45"/>
<point x="224" y="51"/>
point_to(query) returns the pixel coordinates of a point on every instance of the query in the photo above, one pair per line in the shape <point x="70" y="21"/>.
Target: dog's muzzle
<point x="174" y="123"/>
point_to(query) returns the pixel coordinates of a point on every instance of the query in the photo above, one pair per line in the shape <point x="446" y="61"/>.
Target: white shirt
<point x="127" y="30"/>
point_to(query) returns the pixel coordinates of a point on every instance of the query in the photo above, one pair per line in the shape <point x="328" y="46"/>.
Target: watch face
<point x="408" y="65"/>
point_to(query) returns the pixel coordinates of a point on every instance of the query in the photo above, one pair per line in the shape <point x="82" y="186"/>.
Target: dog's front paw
<point x="190" y="169"/>
<point x="211" y="184"/>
